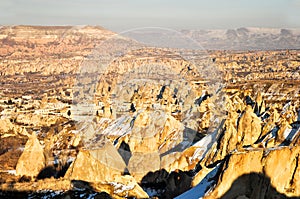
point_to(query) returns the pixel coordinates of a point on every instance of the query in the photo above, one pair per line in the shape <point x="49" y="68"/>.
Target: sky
<point x="121" y="15"/>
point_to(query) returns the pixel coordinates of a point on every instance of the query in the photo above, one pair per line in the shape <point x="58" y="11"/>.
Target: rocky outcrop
<point x="145" y="122"/>
<point x="127" y="186"/>
<point x="142" y="163"/>
<point x="183" y="161"/>
<point x="5" y="125"/>
<point x="32" y="160"/>
<point x="279" y="165"/>
<point x="155" y="131"/>
<point x="249" y="127"/>
<point x="103" y="164"/>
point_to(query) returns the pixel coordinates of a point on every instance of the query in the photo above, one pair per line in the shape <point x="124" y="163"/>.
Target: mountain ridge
<point x="246" y="38"/>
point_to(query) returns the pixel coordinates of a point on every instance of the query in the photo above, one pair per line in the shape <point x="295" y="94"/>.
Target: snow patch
<point x="204" y="187"/>
<point x="11" y="172"/>
<point x="286" y="132"/>
<point x="120" y="188"/>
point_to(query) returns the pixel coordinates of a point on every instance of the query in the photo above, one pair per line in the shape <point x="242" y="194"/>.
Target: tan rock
<point x="200" y="175"/>
<point x="282" y="166"/>
<point x="142" y="119"/>
<point x="238" y="104"/>
<point x="155" y="131"/>
<point x="238" y="165"/>
<point x="87" y="130"/>
<point x="282" y="133"/>
<point x="171" y="134"/>
<point x="147" y="144"/>
<point x="259" y="103"/>
<point x="109" y="155"/>
<point x="229" y="141"/>
<point x="183" y="161"/>
<point x="32" y="160"/>
<point x="97" y="165"/>
<point x="277" y="169"/>
<point x="271" y="122"/>
<point x="169" y="162"/>
<point x="141" y="163"/>
<point x="76" y="141"/>
<point x="249" y="127"/>
<point x="5" y="126"/>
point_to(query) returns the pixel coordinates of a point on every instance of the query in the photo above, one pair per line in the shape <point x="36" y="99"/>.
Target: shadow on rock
<point x="254" y="186"/>
<point x="80" y="189"/>
<point x="53" y="171"/>
<point x="166" y="185"/>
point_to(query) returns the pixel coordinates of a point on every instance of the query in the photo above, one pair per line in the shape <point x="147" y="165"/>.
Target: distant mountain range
<point x="249" y="38"/>
<point x="246" y="38"/>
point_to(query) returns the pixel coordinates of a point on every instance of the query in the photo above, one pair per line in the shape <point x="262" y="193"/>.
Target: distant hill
<point x="246" y="38"/>
<point x="249" y="38"/>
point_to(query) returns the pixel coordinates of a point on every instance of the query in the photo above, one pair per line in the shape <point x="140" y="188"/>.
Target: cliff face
<point x="147" y="123"/>
<point x="277" y="168"/>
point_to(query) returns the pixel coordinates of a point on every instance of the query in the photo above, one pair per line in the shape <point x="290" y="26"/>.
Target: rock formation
<point x="145" y="122"/>
<point x="103" y="163"/>
<point x="249" y="127"/>
<point x="280" y="165"/>
<point x="32" y="160"/>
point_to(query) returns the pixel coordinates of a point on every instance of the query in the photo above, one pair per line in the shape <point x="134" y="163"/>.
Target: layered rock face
<point x="145" y="123"/>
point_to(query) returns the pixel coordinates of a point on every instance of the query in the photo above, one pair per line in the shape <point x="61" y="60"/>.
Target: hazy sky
<point x="178" y="14"/>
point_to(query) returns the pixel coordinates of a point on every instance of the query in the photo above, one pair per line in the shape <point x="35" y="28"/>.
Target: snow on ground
<point x="119" y="127"/>
<point x="203" y="187"/>
<point x="205" y="144"/>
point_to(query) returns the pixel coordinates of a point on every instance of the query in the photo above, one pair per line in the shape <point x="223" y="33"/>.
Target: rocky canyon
<point x="88" y="113"/>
